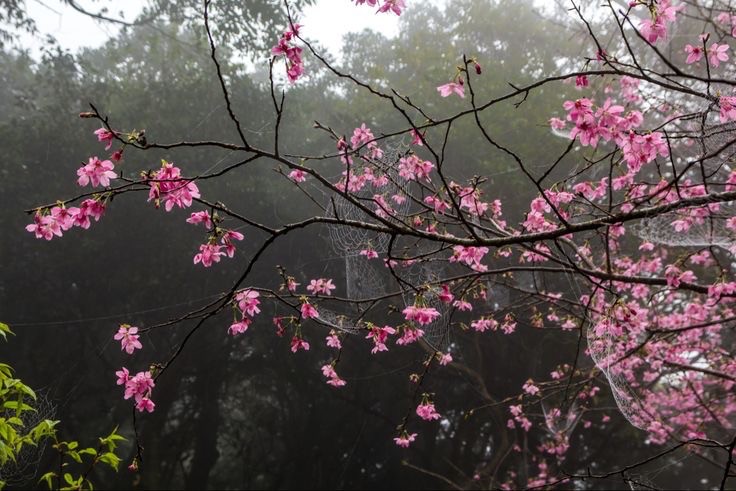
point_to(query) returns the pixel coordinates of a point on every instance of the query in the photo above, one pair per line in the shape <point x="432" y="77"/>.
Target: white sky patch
<point x="74" y="30"/>
<point x="327" y="21"/>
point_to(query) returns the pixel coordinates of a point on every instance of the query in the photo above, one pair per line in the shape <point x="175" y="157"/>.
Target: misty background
<point x="245" y="412"/>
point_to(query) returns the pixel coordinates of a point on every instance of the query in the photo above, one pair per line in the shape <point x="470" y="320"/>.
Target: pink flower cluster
<point x="167" y="184"/>
<point x="413" y="168"/>
<point x="728" y="108"/>
<point x="129" y="338"/>
<point x="716" y="54"/>
<point x="421" y="315"/>
<point x="427" y="411"/>
<point x="409" y="335"/>
<point x="321" y="285"/>
<point x="728" y="20"/>
<point x="517" y="413"/>
<point x="608" y="123"/>
<point x="248" y="304"/>
<point x="380" y="335"/>
<point x="97" y="172"/>
<point x="297" y="343"/>
<point x="663" y="14"/>
<point x="364" y="136"/>
<point x="405" y="439"/>
<point x="201" y="217"/>
<point x="333" y="378"/>
<point x="470" y="255"/>
<point x="211" y="252"/>
<point x="138" y="387"/>
<point x="395" y="6"/>
<point x="333" y="340"/>
<point x="469" y="199"/>
<point x="60" y="219"/>
<point x="292" y="54"/>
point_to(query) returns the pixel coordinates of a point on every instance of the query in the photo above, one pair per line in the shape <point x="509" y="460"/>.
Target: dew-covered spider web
<point x="25" y="466"/>
<point x="370" y="279"/>
<point x="349" y="241"/>
<point x="607" y="352"/>
<point x="437" y="333"/>
<point x="703" y="232"/>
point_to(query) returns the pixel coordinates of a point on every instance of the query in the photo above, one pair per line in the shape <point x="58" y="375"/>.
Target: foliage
<point x="16" y="436"/>
<point x="535" y="279"/>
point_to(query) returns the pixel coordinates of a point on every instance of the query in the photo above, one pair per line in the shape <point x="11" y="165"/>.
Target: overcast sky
<point x="326" y="21"/>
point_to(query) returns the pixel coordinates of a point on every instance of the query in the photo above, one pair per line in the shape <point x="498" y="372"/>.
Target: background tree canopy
<point x="245" y="412"/>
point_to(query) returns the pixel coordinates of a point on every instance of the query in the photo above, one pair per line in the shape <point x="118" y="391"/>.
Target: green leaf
<point x="18" y="406"/>
<point x="88" y="451"/>
<point x="5" y="330"/>
<point x="75" y="456"/>
<point x="110" y="459"/>
<point x="69" y="479"/>
<point x="27" y="390"/>
<point x="48" y="479"/>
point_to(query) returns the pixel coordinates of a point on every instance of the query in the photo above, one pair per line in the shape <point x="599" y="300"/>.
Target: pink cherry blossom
<point x="248" y="302"/>
<point x="369" y="253"/>
<point x="444" y="358"/>
<point x="239" y="327"/>
<point x="557" y="123"/>
<point x="409" y="335"/>
<point x="333" y="340"/>
<point x="422" y="315"/>
<point x="380" y="335"/>
<point x="208" y="254"/>
<point x="530" y="388"/>
<point x="694" y="53"/>
<point x="200" y="217"/>
<point x="292" y="54"/>
<point x="64" y="216"/>
<point x="445" y="295"/>
<point x="321" y="285"/>
<point x="97" y="172"/>
<point x="417" y="138"/>
<point x="44" y="227"/>
<point x="139" y="387"/>
<point x="717" y="54"/>
<point x="167" y="184"/>
<point x="298" y="343"/>
<point x="291" y="284"/>
<point x="123" y="376"/>
<point x="129" y="338"/>
<point x="333" y="378"/>
<point x="298" y="175"/>
<point x="462" y="305"/>
<point x="228" y="236"/>
<point x="145" y="404"/>
<point x="727" y="108"/>
<point x="452" y="88"/>
<point x="105" y="135"/>
<point x="405" y="439"/>
<point x="308" y="311"/>
<point x="395" y="6"/>
<point x="427" y="412"/>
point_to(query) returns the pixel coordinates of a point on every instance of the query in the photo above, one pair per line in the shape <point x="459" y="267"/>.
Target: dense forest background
<point x="245" y="412"/>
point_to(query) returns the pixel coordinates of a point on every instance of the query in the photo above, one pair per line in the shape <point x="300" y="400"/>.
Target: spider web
<point x="20" y="471"/>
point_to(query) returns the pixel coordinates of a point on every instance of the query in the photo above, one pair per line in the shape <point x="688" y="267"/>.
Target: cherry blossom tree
<point x="625" y="242"/>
